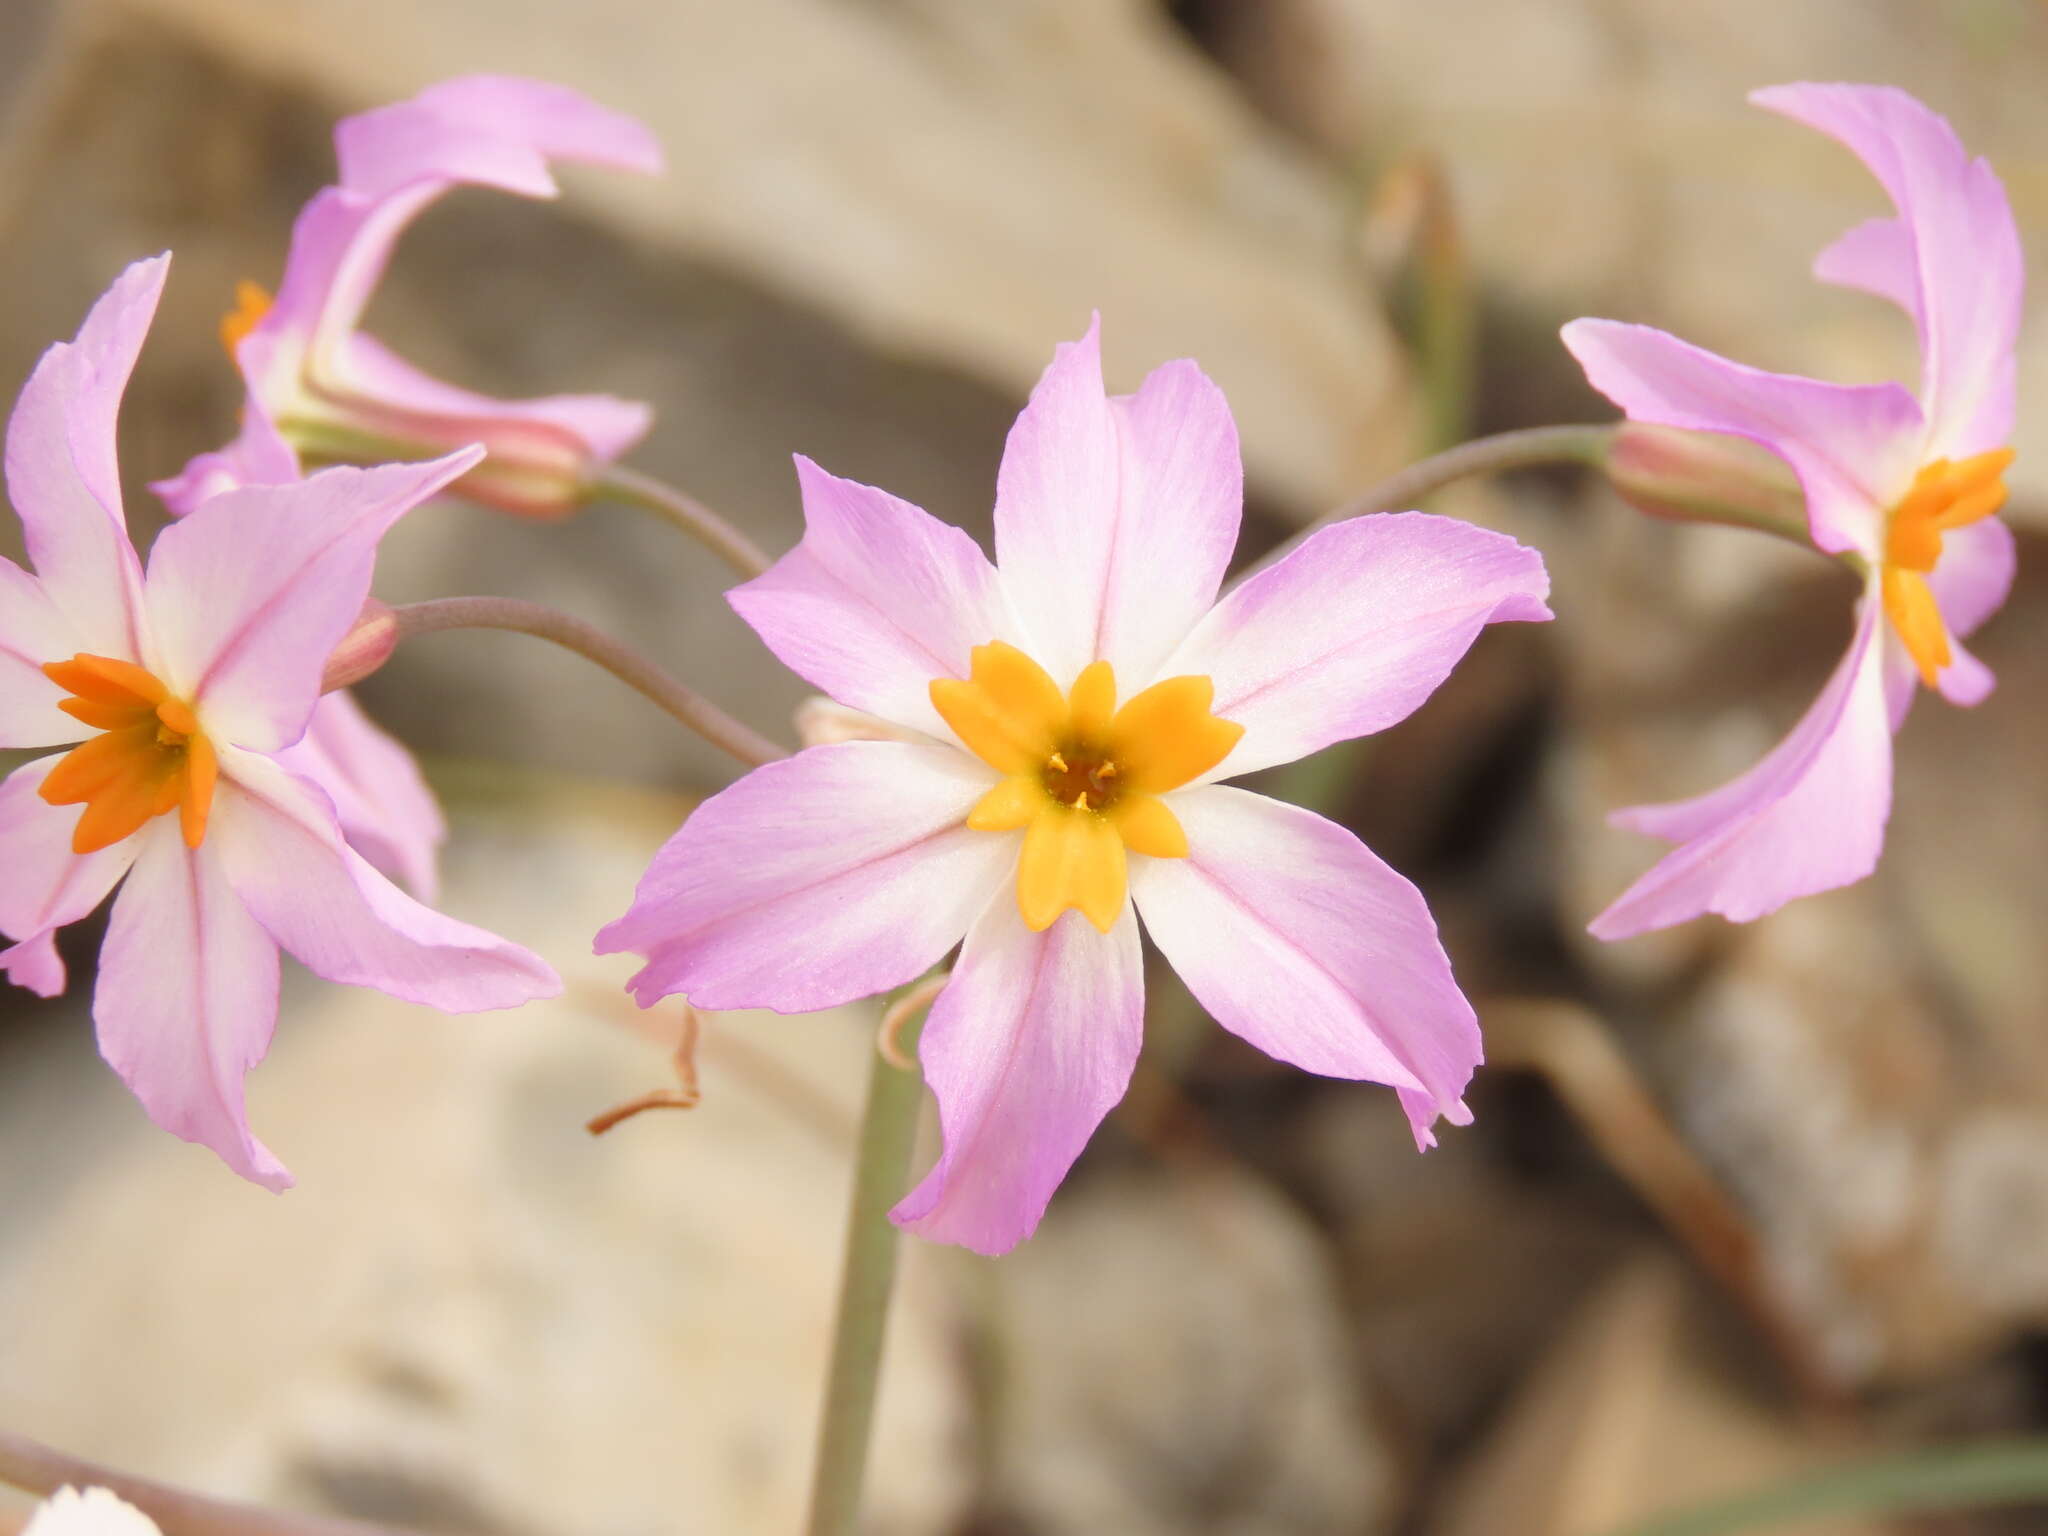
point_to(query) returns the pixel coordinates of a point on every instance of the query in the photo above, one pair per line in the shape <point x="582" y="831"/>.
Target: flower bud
<point x="1705" y="477"/>
<point x="365" y="648"/>
<point x="532" y="469"/>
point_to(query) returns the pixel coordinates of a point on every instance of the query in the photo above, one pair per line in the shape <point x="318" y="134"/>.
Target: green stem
<point x="1983" y="1476"/>
<point x="881" y="1168"/>
<point x="684" y="511"/>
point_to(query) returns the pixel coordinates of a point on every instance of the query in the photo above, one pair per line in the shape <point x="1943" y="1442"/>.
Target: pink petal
<point x="1855" y="448"/>
<point x="1030" y="1045"/>
<point x="1351" y="631"/>
<point x="1294" y="935"/>
<point x="35" y="964"/>
<point x="1115" y="519"/>
<point x="493" y="130"/>
<point x="187" y="998"/>
<point x="1955" y="250"/>
<point x="878" y="600"/>
<point x="1974" y="575"/>
<point x="386" y="810"/>
<point x="32" y="632"/>
<point x="835" y="874"/>
<point x="63" y="475"/>
<point x="46" y="884"/>
<point x="1809" y="817"/>
<point x="249" y="593"/>
<point x="257" y="456"/>
<point x="283" y="853"/>
<point x="605" y="425"/>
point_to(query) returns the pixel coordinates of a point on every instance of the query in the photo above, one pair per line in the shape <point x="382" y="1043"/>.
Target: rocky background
<point x="1738" y="1201"/>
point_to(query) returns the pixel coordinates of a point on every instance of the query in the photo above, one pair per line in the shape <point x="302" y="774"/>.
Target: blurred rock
<point x="877" y="222"/>
<point x="1604" y="160"/>
<point x="470" y="1315"/>
<point x="1160" y="1360"/>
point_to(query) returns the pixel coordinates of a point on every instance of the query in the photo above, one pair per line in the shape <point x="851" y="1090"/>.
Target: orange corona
<point x="1081" y="776"/>
<point x="149" y="759"/>
<point x="1945" y="496"/>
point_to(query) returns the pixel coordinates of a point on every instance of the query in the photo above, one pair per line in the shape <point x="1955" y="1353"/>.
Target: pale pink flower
<point x="1903" y="488"/>
<point x="322" y="390"/>
<point x="1076" y="709"/>
<point x="91" y="1512"/>
<point x="185" y="687"/>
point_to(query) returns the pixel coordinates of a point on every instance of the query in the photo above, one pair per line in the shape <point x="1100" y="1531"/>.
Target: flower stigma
<point x="150" y="757"/>
<point x="1945" y="496"/>
<point x="1081" y="776"/>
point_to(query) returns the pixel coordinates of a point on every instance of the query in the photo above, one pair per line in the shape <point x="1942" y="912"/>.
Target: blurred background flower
<point x="1253" y="1309"/>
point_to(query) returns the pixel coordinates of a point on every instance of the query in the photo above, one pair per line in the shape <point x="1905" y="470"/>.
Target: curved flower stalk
<point x="322" y="391"/>
<point x="179" y="691"/>
<point x="1074" y="708"/>
<point x="1905" y="489"/>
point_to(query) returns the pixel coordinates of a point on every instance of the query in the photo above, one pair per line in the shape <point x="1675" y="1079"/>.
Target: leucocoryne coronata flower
<point x="1905" y="489"/>
<point x="179" y="692"/>
<point x="321" y="390"/>
<point x="1075" y="707"/>
<point x="88" y="1512"/>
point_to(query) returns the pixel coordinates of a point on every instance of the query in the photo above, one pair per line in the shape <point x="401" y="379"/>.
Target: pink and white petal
<point x="1901" y="679"/>
<point x="490" y="130"/>
<point x="283" y="853"/>
<point x="1974" y="576"/>
<point x="832" y="875"/>
<point x="1355" y="628"/>
<point x="1294" y="935"/>
<point x="250" y="593"/>
<point x="878" y="600"/>
<point x="63" y="476"/>
<point x="387" y="812"/>
<point x="1855" y="448"/>
<point x="1876" y="257"/>
<point x="1810" y="817"/>
<point x="606" y="426"/>
<point x="47" y="885"/>
<point x="1030" y="1045"/>
<point x="1968" y="275"/>
<point x="187" y="998"/>
<point x="1115" y="519"/>
<point x="32" y="632"/>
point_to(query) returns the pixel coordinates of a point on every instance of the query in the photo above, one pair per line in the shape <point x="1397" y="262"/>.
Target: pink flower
<point x="184" y="688"/>
<point x="1076" y="708"/>
<point x="320" y="389"/>
<point x="1904" y="489"/>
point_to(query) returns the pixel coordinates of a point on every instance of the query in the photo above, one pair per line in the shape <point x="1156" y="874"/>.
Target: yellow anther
<point x="1056" y="763"/>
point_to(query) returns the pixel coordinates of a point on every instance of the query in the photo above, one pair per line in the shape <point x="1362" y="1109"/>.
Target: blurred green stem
<point x="684" y="511"/>
<point x="1983" y="1476"/>
<point x="592" y="644"/>
<point x="882" y="1165"/>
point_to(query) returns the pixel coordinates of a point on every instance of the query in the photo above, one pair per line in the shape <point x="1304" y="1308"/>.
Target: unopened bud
<point x="364" y="649"/>
<point x="820" y="723"/>
<point x="1705" y="477"/>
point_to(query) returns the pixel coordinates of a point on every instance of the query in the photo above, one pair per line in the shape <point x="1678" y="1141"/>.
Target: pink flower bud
<point x="364" y="649"/>
<point x="1705" y="477"/>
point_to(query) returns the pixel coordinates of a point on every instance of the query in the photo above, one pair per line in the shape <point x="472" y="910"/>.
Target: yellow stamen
<point x="149" y="758"/>
<point x="252" y="303"/>
<point x="1945" y="496"/>
<point x="1081" y="776"/>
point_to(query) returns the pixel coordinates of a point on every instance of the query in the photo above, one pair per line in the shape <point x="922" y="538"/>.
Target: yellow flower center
<point x="252" y="303"/>
<point x="149" y="758"/>
<point x="1945" y="496"/>
<point x="1082" y="776"/>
